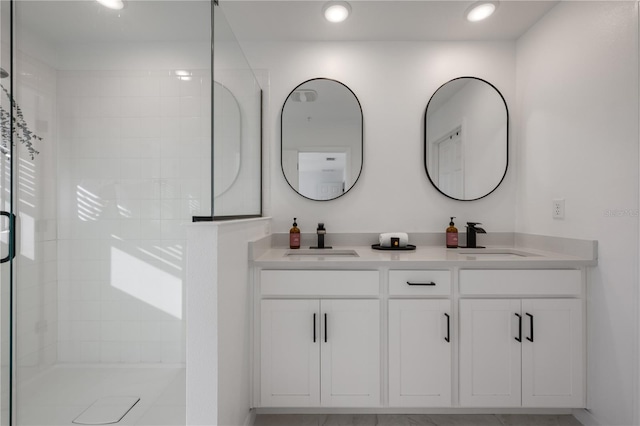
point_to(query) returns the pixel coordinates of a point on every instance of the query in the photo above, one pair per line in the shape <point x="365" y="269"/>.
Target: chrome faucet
<point x="472" y="230"/>
<point x="321" y="233"/>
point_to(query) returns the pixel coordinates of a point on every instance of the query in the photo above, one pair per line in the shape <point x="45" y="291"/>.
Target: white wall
<point x="235" y="312"/>
<point x="393" y="82"/>
<point x="219" y="303"/>
<point x="577" y="81"/>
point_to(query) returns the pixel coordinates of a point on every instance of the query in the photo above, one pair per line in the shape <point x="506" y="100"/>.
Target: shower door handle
<point x="12" y="236"/>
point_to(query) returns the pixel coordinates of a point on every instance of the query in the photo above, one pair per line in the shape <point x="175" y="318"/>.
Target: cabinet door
<point x="553" y="364"/>
<point x="290" y="358"/>
<point x="490" y="363"/>
<point x="350" y="353"/>
<point x="420" y="353"/>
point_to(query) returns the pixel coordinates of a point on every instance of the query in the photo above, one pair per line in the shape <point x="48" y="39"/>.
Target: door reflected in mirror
<point x="322" y="174"/>
<point x="466" y="138"/>
<point x="321" y="139"/>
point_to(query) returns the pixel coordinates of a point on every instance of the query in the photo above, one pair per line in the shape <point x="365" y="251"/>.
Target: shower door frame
<point x="8" y="230"/>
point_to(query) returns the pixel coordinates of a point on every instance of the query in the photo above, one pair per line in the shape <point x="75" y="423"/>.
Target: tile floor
<point x="62" y="393"/>
<point x="414" y="420"/>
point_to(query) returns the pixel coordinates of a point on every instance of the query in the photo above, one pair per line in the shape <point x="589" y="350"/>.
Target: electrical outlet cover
<point x="558" y="208"/>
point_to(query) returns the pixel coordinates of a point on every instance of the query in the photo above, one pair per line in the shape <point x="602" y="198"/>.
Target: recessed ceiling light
<point x="336" y="11"/>
<point x="112" y="4"/>
<point x="481" y="10"/>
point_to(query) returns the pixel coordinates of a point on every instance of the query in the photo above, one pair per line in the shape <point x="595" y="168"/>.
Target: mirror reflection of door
<point x="474" y="164"/>
<point x="450" y="164"/>
<point x="322" y="175"/>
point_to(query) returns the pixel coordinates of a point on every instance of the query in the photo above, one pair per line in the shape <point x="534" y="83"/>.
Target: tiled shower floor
<point x="62" y="393"/>
<point x="414" y="420"/>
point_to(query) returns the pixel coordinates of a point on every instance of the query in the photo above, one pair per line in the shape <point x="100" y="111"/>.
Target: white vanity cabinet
<point x="450" y="338"/>
<point x="553" y="353"/>
<point x="350" y="353"/>
<point x="420" y="333"/>
<point x="420" y="353"/>
<point x="521" y="351"/>
<point x="322" y="350"/>
<point x="290" y="354"/>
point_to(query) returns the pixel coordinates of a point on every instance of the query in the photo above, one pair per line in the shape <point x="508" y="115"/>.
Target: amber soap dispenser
<point x="294" y="236"/>
<point x="452" y="235"/>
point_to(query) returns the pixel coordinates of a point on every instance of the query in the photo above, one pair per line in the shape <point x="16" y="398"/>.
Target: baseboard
<point x="582" y="415"/>
<point x="250" y="419"/>
<point x="390" y="410"/>
<point x="585" y="417"/>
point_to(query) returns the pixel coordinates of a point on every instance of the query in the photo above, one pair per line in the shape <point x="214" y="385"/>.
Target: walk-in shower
<point x="109" y="114"/>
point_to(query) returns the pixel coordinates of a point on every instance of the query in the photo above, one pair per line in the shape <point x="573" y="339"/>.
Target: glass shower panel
<point x="118" y="107"/>
<point x="5" y="206"/>
<point x="237" y="128"/>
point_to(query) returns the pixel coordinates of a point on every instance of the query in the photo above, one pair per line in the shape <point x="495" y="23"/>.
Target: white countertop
<point x="422" y="257"/>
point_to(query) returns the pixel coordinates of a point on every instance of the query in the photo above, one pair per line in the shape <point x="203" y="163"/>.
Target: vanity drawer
<point x="319" y="283"/>
<point x="519" y="282"/>
<point x="420" y="283"/>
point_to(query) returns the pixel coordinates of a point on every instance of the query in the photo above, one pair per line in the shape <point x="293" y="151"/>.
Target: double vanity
<point x="354" y="327"/>
<point x="501" y="327"/>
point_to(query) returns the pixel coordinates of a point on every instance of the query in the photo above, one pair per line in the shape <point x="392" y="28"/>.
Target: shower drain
<point x="107" y="410"/>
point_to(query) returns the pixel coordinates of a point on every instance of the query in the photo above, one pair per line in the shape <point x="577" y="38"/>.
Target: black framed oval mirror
<point x="321" y="139"/>
<point x="466" y="134"/>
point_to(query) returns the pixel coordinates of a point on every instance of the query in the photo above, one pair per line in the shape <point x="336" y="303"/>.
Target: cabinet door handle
<point x="530" y="327"/>
<point x="519" y="338"/>
<point x="448" y="338"/>
<point x="325" y="328"/>
<point x="427" y="283"/>
<point x="314" y="328"/>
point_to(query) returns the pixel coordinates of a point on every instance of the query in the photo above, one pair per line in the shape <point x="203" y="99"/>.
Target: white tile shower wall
<point x="132" y="174"/>
<point x="35" y="270"/>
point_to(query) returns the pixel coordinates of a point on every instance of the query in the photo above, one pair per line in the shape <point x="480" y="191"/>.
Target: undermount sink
<point x="495" y="253"/>
<point x="322" y="252"/>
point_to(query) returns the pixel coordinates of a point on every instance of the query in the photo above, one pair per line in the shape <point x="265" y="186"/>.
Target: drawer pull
<point x="531" y="327"/>
<point x="428" y="283"/>
<point x="314" y="328"/>
<point x="448" y="338"/>
<point x="519" y="338"/>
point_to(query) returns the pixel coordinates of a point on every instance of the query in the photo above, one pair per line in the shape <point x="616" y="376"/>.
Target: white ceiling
<point x="86" y="21"/>
<point x="69" y="21"/>
<point x="378" y="20"/>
